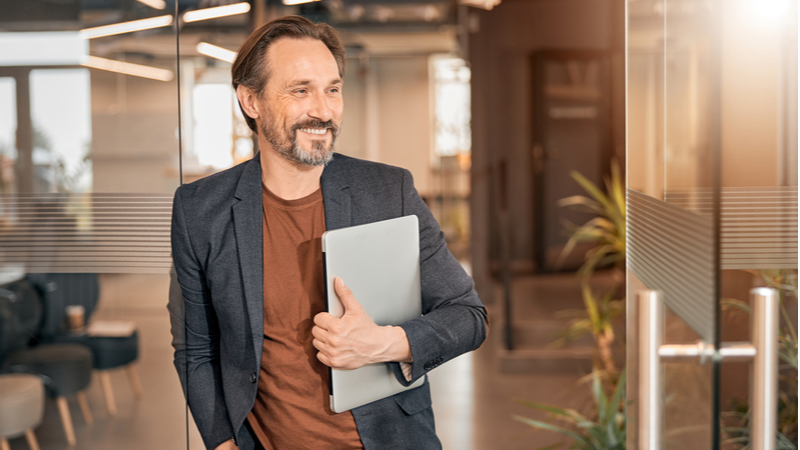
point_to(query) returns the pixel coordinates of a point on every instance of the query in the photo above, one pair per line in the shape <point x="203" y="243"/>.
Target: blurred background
<point x="525" y="123"/>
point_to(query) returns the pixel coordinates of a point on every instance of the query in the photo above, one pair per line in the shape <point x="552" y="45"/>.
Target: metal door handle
<point x="762" y="351"/>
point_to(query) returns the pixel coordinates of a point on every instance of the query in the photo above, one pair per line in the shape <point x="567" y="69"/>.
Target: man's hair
<point x="251" y="68"/>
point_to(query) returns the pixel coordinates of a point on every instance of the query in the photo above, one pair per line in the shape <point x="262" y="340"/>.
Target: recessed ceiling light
<point x="216" y="12"/>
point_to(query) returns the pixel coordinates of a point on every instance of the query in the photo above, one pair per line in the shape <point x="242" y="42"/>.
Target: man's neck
<point x="286" y="179"/>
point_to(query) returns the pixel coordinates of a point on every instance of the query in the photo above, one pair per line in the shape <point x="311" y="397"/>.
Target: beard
<point x="287" y="145"/>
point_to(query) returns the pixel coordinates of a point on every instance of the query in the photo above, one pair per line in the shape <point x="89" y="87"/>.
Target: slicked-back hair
<point x="251" y="69"/>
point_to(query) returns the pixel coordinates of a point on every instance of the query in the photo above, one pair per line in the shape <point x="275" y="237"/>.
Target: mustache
<point x="316" y="123"/>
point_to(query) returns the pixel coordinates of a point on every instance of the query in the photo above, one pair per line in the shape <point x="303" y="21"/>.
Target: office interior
<point x="682" y="112"/>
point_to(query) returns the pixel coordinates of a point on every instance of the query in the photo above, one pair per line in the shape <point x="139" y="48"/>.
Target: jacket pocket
<point x="415" y="400"/>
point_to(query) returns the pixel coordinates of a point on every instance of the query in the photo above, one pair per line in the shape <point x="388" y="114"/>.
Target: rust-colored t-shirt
<point x="292" y="409"/>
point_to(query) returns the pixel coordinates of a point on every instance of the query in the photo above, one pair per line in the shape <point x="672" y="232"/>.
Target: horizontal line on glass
<point x="678" y="271"/>
<point x="766" y="247"/>
<point x="84" y="234"/>
<point x="668" y="237"/>
<point x="123" y="255"/>
<point x="755" y="266"/>
<point x="100" y="226"/>
<point x="680" y="230"/>
<point x="764" y="229"/>
<point x="97" y="268"/>
<point x="767" y="202"/>
<point x="114" y="195"/>
<point x="667" y="257"/>
<point x="85" y="204"/>
<point x="88" y="223"/>
<point x="82" y="244"/>
<point x="93" y="212"/>
<point x="680" y="290"/>
<point x="705" y="189"/>
<point x="84" y="259"/>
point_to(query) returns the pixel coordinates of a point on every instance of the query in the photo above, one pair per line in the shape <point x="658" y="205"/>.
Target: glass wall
<point x="89" y="161"/>
<point x="107" y="106"/>
<point x="712" y="213"/>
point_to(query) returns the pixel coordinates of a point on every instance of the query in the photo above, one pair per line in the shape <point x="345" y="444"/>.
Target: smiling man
<point x="257" y="342"/>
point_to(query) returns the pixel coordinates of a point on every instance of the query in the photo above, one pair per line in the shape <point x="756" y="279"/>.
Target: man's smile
<point x="316" y="131"/>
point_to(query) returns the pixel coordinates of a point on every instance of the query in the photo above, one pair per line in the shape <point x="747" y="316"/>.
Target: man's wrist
<point x="398" y="349"/>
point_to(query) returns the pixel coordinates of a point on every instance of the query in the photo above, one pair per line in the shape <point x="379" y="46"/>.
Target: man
<point x="246" y="250"/>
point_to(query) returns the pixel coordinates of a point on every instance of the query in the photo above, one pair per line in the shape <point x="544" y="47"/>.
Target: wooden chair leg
<point x="108" y="392"/>
<point x="135" y="383"/>
<point x="31" y="438"/>
<point x="84" y="404"/>
<point x="4" y="444"/>
<point x="66" y="420"/>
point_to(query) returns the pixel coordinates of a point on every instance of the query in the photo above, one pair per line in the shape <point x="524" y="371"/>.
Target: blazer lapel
<point x="336" y="196"/>
<point x="248" y="223"/>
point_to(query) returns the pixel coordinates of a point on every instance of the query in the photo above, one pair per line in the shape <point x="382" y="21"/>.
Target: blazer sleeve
<point x="196" y="343"/>
<point x="454" y="318"/>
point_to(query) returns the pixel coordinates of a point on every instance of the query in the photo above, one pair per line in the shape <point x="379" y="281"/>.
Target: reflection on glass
<point x="62" y="127"/>
<point x="8" y="127"/>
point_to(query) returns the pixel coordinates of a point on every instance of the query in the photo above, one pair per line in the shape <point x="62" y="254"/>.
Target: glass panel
<point x="712" y="199"/>
<point x="89" y="156"/>
<point x="670" y="246"/>
<point x="758" y="134"/>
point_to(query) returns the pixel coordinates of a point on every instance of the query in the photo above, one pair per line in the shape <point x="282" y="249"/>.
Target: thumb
<point x="346" y="296"/>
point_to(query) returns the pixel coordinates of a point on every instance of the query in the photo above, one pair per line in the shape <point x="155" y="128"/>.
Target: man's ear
<point x="248" y="100"/>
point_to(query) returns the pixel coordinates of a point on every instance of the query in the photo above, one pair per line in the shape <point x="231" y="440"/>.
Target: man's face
<point x="302" y="101"/>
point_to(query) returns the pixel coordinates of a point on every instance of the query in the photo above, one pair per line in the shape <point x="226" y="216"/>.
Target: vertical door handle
<point x="764" y="304"/>
<point x="651" y="331"/>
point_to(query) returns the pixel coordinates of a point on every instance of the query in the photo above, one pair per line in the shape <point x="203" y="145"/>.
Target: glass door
<point x="712" y="220"/>
<point x="89" y="161"/>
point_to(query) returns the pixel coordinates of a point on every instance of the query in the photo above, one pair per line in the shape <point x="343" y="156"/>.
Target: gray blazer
<point x="217" y="253"/>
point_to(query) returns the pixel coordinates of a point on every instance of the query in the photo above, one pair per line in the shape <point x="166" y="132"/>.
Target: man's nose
<point x="320" y="108"/>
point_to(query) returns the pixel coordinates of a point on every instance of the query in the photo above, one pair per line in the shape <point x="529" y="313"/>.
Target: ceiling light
<point x="483" y="4"/>
<point x="297" y="2"/>
<point x="125" y="27"/>
<point x="219" y="11"/>
<point x="216" y="52"/>
<point x="157" y="4"/>
<point x="128" y="68"/>
<point x="771" y="8"/>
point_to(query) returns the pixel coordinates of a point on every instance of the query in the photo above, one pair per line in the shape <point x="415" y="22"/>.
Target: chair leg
<point x="105" y="380"/>
<point x="84" y="404"/>
<point x="66" y="420"/>
<point x="135" y="383"/>
<point x="31" y="438"/>
<point x="4" y="443"/>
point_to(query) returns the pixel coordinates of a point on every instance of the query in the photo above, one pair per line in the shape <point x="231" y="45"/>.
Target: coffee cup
<point x="75" y="317"/>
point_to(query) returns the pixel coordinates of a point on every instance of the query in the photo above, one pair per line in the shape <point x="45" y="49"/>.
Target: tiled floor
<point x="473" y="402"/>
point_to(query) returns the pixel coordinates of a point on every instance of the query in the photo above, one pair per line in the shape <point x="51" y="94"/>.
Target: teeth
<point x="314" y="130"/>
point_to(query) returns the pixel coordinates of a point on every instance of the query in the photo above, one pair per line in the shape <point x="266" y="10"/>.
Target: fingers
<point x="324" y="320"/>
<point x="323" y="358"/>
<point x="349" y="301"/>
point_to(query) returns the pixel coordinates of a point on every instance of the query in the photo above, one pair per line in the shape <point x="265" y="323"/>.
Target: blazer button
<point x="253" y="377"/>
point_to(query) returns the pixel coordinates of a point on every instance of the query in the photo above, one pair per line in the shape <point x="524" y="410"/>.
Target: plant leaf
<point x="546" y="426"/>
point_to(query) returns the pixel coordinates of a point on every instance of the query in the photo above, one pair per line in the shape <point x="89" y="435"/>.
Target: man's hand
<point x="354" y="340"/>
<point x="227" y="445"/>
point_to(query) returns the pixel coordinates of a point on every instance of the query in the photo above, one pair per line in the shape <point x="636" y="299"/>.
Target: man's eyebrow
<point x="307" y="82"/>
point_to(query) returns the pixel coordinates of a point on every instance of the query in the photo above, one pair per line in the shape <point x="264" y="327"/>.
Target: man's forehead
<point x="292" y="50"/>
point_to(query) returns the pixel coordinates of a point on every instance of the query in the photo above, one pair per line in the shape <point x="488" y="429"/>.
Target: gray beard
<point x="320" y="155"/>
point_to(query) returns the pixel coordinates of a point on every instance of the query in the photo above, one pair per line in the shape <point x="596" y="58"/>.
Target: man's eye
<point x="301" y="91"/>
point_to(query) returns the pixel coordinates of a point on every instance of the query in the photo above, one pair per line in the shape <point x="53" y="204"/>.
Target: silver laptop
<point x="379" y="262"/>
